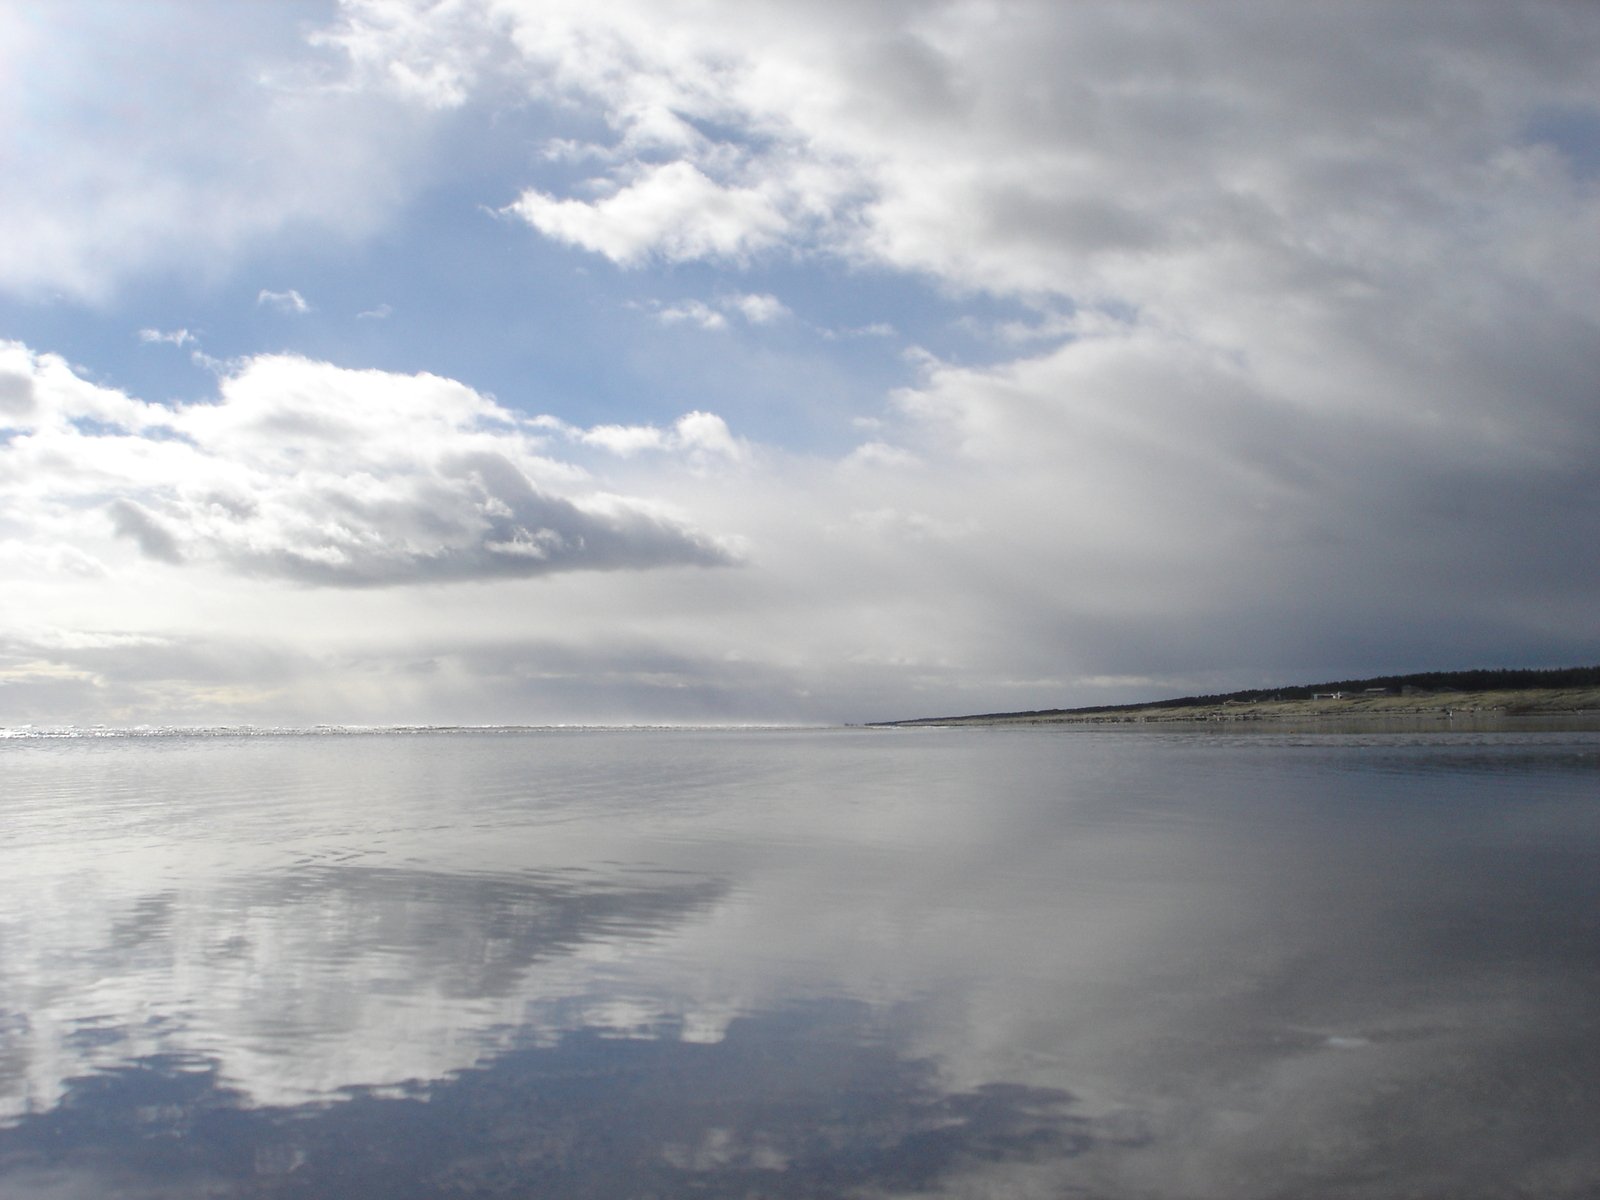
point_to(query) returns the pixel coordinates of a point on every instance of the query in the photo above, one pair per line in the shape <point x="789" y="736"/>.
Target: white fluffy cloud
<point x="702" y="437"/>
<point x="672" y="211"/>
<point x="1098" y="152"/>
<point x="320" y="475"/>
<point x="694" y="312"/>
<point x="759" y="308"/>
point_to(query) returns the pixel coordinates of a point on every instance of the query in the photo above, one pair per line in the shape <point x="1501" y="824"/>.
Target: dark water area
<point x="1122" y="962"/>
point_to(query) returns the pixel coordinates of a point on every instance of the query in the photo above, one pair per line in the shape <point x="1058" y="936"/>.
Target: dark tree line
<point x="1501" y="679"/>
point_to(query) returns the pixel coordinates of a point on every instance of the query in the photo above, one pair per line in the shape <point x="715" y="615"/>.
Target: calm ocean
<point x="801" y="963"/>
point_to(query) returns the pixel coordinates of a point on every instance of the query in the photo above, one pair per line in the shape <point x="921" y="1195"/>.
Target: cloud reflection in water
<point x="816" y="1100"/>
<point x="306" y="982"/>
<point x="818" y="963"/>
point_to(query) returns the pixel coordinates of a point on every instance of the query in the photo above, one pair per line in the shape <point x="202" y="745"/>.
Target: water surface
<point x="978" y="962"/>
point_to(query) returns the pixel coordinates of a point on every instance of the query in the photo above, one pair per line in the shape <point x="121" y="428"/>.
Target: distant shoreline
<point x="1349" y="706"/>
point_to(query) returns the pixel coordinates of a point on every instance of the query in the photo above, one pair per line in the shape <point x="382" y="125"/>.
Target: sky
<point x="544" y="361"/>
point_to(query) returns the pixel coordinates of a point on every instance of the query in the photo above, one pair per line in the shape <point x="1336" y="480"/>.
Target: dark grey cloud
<point x="134" y="521"/>
<point x="514" y="531"/>
<point x="16" y="395"/>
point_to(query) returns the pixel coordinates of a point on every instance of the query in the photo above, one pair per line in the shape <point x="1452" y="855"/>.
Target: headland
<point x="1386" y="698"/>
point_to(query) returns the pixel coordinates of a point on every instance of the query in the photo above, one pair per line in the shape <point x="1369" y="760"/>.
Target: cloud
<point x="177" y="337"/>
<point x="291" y="301"/>
<point x="1044" y="152"/>
<point x="432" y="54"/>
<point x="672" y="212"/>
<point x="1313" y="305"/>
<point x="758" y="308"/>
<point x="1270" y="353"/>
<point x="174" y="140"/>
<point x="918" y="526"/>
<point x="502" y="527"/>
<point x="694" y="312"/>
<point x="41" y="393"/>
<point x="318" y="475"/>
<point x="382" y="313"/>
<point x="132" y="520"/>
<point x="877" y="329"/>
<point x="754" y="309"/>
<point x="1136" y="490"/>
<point x="17" y="400"/>
<point x="699" y="438"/>
<point x="21" y="558"/>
